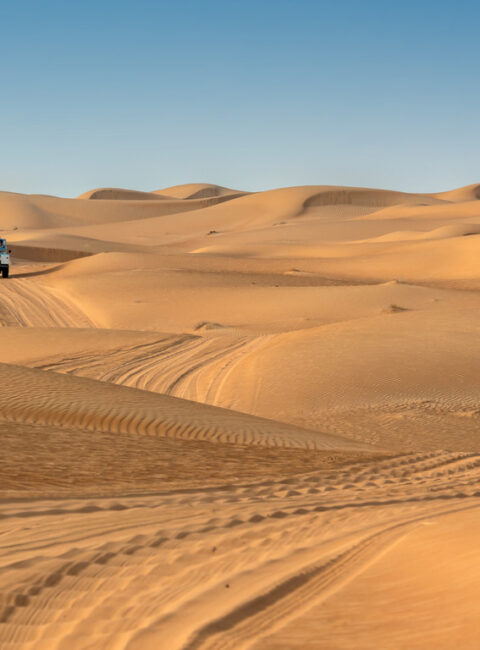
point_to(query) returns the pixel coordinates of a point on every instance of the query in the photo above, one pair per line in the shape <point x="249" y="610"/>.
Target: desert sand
<point x="240" y="420"/>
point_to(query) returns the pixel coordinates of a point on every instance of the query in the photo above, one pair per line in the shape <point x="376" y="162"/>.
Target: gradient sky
<point x="248" y="94"/>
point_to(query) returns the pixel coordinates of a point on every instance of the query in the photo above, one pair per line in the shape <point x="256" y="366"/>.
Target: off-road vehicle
<point x="4" y="258"/>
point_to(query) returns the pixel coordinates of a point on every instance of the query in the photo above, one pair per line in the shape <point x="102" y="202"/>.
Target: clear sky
<point x="252" y="94"/>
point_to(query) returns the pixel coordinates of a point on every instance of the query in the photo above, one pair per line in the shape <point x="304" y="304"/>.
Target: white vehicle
<point x="4" y="258"/>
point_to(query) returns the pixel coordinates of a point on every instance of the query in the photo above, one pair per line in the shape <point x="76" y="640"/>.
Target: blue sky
<point x="248" y="94"/>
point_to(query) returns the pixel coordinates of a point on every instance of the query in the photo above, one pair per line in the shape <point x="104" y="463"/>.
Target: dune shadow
<point x="31" y="274"/>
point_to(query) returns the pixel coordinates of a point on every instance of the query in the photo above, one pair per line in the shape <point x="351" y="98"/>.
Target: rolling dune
<point x="32" y="212"/>
<point x="50" y="399"/>
<point x="240" y="420"/>
<point x="197" y="191"/>
<point x="119" y="194"/>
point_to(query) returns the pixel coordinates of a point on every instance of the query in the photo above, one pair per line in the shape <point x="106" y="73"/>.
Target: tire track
<point x="29" y="304"/>
<point x="124" y="568"/>
<point x="35" y="397"/>
<point x="186" y="366"/>
<point x="261" y="615"/>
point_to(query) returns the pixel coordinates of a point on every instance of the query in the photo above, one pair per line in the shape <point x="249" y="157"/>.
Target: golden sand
<point x="240" y="420"/>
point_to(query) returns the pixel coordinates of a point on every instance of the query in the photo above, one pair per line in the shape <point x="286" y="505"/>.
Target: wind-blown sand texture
<point x="240" y="420"/>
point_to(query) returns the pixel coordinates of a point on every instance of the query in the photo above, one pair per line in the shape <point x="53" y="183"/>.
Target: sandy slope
<point x="47" y="398"/>
<point x="240" y="420"/>
<point x="197" y="191"/>
<point x="229" y="568"/>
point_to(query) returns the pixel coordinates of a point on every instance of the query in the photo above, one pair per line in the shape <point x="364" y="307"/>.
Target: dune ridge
<point x="66" y="402"/>
<point x="198" y="191"/>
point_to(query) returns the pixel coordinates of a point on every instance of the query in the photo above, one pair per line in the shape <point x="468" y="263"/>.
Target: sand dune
<point x="366" y="197"/>
<point x="75" y="403"/>
<point x="119" y="194"/>
<point x="25" y="303"/>
<point x="467" y="193"/>
<point x="197" y="191"/>
<point x="22" y="212"/>
<point x="451" y="211"/>
<point x="240" y="420"/>
<point x="252" y="374"/>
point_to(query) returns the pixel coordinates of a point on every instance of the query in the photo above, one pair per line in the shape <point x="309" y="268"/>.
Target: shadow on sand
<point x="31" y="274"/>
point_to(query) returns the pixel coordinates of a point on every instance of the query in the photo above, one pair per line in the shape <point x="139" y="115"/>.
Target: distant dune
<point x="467" y="193"/>
<point x="240" y="419"/>
<point x="117" y="194"/>
<point x="198" y="191"/>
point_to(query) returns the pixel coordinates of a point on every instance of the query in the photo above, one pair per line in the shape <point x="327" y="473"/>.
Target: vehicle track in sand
<point x="27" y="303"/>
<point x="187" y="366"/>
<point x="219" y="568"/>
<point x="36" y="397"/>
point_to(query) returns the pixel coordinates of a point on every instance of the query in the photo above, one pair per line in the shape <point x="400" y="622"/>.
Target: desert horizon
<point x="240" y="419"/>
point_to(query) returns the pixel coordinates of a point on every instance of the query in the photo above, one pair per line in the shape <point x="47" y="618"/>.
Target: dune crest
<point x="467" y="193"/>
<point x="118" y="194"/>
<point x="197" y="191"/>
